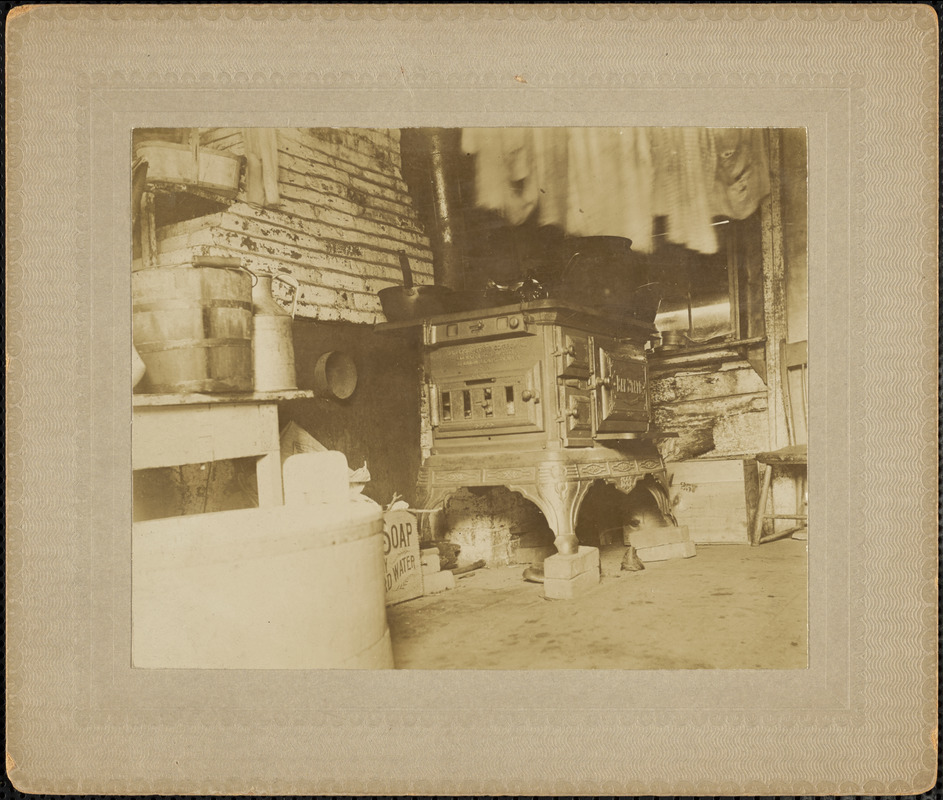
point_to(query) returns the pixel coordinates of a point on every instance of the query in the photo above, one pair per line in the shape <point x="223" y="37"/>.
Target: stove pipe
<point x="446" y="251"/>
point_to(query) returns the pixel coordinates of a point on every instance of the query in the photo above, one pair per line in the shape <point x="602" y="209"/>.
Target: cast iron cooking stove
<point x="544" y="398"/>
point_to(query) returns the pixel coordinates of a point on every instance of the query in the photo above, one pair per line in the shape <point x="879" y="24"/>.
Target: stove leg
<point x="560" y="501"/>
<point x="567" y="545"/>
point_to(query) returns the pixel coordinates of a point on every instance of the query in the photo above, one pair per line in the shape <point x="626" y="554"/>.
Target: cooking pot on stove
<point x="406" y="302"/>
<point x="604" y="273"/>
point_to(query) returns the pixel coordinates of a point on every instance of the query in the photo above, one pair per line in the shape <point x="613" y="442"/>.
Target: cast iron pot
<point x="604" y="273"/>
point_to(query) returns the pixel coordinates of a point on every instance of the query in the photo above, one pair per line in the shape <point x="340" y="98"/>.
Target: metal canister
<point x="273" y="349"/>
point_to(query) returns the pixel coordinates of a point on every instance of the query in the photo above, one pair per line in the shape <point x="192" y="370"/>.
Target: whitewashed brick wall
<point x="345" y="215"/>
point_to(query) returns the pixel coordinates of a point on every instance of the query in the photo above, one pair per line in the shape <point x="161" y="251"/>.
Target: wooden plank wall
<point x="345" y="214"/>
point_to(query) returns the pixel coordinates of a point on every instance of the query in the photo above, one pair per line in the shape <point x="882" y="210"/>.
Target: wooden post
<point x="148" y="231"/>
<point x="268" y="469"/>
<point x="751" y="490"/>
<point x="756" y="532"/>
<point x="774" y="293"/>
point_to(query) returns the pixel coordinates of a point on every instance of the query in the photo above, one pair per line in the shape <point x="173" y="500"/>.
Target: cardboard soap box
<point x="401" y="549"/>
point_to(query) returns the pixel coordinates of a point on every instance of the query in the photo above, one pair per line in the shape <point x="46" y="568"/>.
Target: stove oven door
<point x="503" y="401"/>
<point x="572" y="360"/>
<point x="486" y="388"/>
<point x="576" y="412"/>
<point x="620" y="394"/>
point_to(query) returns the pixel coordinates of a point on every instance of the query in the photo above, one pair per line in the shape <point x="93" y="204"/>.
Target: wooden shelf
<point x="710" y="355"/>
<point x="192" y="399"/>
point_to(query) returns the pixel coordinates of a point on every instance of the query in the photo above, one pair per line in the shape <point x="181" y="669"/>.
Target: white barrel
<point x="283" y="587"/>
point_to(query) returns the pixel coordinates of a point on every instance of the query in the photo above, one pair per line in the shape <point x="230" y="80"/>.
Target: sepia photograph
<point x="471" y="399"/>
<point x="394" y="389"/>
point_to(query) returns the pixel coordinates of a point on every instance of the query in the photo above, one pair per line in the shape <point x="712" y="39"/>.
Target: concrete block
<point x="431" y="564"/>
<point x="654" y="537"/>
<point x="565" y="567"/>
<point x="560" y="589"/>
<point x="667" y="551"/>
<point x="438" y="582"/>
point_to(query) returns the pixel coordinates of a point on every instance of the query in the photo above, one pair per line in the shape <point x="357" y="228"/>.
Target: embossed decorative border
<point x="861" y="78"/>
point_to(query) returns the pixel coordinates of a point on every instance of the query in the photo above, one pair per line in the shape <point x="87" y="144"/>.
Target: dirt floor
<point x="729" y="607"/>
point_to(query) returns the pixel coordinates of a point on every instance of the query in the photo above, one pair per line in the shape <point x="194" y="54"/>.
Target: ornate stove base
<point x="556" y="481"/>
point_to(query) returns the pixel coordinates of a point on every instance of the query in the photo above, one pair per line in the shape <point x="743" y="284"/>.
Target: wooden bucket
<point x="192" y="326"/>
<point x="179" y="161"/>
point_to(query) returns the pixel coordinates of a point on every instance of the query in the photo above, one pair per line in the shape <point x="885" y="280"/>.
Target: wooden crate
<point x="712" y="499"/>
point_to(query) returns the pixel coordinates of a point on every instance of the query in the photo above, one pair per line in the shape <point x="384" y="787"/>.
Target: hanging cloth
<point x="742" y="177"/>
<point x="505" y="175"/>
<point x="610" y="182"/>
<point x="551" y="160"/>
<point x="588" y="181"/>
<point x="614" y="182"/>
<point x="685" y="165"/>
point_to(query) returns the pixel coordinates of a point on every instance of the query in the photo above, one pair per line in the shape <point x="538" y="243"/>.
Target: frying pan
<point x="407" y="302"/>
